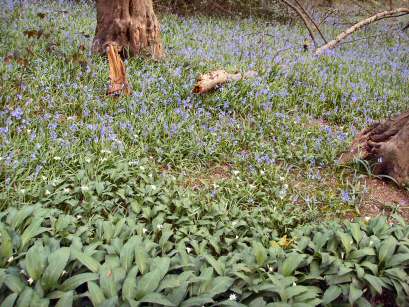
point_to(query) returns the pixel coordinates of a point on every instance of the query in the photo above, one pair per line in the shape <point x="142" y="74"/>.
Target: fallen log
<point x="382" y="15"/>
<point x="214" y="79"/>
<point x="117" y="73"/>
<point x="386" y="146"/>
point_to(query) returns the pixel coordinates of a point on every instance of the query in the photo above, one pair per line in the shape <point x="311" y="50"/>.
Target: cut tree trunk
<point x="130" y="25"/>
<point x="386" y="146"/>
<point x="207" y="82"/>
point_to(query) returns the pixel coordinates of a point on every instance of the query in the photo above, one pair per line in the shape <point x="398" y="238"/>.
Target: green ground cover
<point x="170" y="198"/>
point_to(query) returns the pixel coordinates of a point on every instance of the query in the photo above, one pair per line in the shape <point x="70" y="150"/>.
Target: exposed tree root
<point x="386" y="146"/>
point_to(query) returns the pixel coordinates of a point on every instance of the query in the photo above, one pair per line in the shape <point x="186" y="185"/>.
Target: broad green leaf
<point x="129" y="286"/>
<point x="127" y="254"/>
<point x="354" y="294"/>
<point x="106" y="281"/>
<point x="6" y="247"/>
<point x="217" y="266"/>
<point x="156" y="298"/>
<point x="33" y="230"/>
<point x="387" y="249"/>
<point x="36" y="261"/>
<point x="346" y="241"/>
<point x="14" y="283"/>
<point x="219" y="285"/>
<point x="177" y="295"/>
<point x="331" y="294"/>
<point x="363" y="252"/>
<point x="21" y="215"/>
<point x="95" y="294"/>
<point x="397" y="260"/>
<point x="141" y="259"/>
<point x="260" y="253"/>
<point x="291" y="263"/>
<point x="150" y="281"/>
<point x="56" y="264"/>
<point x="66" y="300"/>
<point x="24" y="298"/>
<point x="113" y="301"/>
<point x="9" y="300"/>
<point x="92" y="264"/>
<point x="197" y="301"/>
<point x="356" y="232"/>
<point x="73" y="282"/>
<point x="375" y="282"/>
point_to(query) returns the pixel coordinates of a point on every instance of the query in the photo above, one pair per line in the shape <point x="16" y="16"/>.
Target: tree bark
<point x="386" y="146"/>
<point x="129" y="25"/>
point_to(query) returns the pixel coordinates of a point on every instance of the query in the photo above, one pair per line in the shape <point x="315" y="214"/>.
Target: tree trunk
<point x="129" y="25"/>
<point x="386" y="145"/>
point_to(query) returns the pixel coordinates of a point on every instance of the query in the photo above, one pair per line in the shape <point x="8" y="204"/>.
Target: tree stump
<point x="386" y="146"/>
<point x="130" y="25"/>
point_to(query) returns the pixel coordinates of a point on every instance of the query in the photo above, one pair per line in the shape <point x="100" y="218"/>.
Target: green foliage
<point x="150" y="253"/>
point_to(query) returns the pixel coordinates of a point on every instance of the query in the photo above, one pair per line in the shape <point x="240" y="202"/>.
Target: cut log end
<point x="386" y="146"/>
<point x="210" y="81"/>
<point x="117" y="73"/>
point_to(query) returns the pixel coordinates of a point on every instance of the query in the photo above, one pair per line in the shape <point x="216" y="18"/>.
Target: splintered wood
<point x="117" y="73"/>
<point x="214" y="79"/>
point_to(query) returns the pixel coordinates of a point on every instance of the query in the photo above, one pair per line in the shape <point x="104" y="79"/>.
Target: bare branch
<point x="304" y="19"/>
<point x="312" y="20"/>
<point x="382" y="15"/>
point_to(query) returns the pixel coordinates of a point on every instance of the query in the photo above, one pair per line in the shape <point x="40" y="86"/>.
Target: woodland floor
<point x="272" y="141"/>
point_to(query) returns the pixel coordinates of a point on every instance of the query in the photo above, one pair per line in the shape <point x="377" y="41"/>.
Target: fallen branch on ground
<point x="382" y="15"/>
<point x="117" y="73"/>
<point x="212" y="80"/>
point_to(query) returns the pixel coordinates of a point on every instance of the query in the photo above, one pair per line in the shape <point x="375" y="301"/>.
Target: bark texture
<point x="207" y="82"/>
<point x="130" y="25"/>
<point x="117" y="73"/>
<point x="386" y="145"/>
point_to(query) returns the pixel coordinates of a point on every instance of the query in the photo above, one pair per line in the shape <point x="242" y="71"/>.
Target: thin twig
<point x="300" y="13"/>
<point x="312" y="20"/>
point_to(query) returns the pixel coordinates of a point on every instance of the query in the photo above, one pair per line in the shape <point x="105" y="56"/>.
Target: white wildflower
<point x="84" y="188"/>
<point x="47" y="192"/>
<point x="160" y="226"/>
<point x="236" y="172"/>
<point x="188" y="250"/>
<point x="294" y="284"/>
<point x="67" y="190"/>
<point x="79" y="217"/>
<point x="237" y="237"/>
<point x="144" y="230"/>
<point x="30" y="281"/>
<point x="367" y="218"/>
<point x="232" y="297"/>
<point x="22" y="191"/>
<point x="88" y="160"/>
<point x="56" y="158"/>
